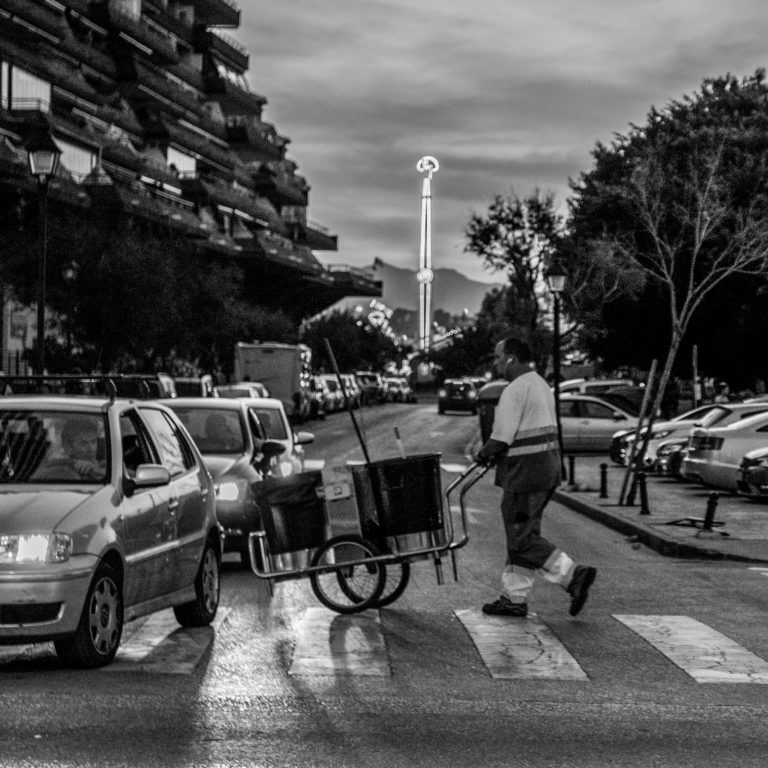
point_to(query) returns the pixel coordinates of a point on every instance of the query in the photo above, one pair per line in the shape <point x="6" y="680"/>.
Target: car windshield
<point x="214" y="430"/>
<point x="42" y="446"/>
<point x="715" y="415"/>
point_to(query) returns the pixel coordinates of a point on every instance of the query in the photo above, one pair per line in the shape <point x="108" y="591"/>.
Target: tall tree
<point x="518" y="236"/>
<point x="683" y="199"/>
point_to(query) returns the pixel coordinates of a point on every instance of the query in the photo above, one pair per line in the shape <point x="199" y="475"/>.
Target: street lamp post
<point x="69" y="274"/>
<point x="43" y="155"/>
<point x="428" y="166"/>
<point x="556" y="282"/>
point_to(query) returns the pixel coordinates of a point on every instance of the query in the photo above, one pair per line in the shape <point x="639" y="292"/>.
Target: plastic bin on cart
<point x="293" y="517"/>
<point x="487" y="399"/>
<point x="401" y="502"/>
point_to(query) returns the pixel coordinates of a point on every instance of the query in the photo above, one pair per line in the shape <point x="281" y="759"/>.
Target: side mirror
<point x="270" y="448"/>
<point x="302" y="438"/>
<point x="617" y="416"/>
<point x="146" y="476"/>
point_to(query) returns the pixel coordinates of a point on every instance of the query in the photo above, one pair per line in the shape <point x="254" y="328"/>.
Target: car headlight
<point x="441" y="393"/>
<point x="35" y="548"/>
<point x="231" y="490"/>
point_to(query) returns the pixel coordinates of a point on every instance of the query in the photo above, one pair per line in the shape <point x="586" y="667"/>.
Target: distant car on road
<point x="242" y="441"/>
<point x="457" y="395"/>
<point x="241" y="389"/>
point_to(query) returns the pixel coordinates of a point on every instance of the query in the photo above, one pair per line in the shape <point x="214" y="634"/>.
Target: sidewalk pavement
<point x="677" y="511"/>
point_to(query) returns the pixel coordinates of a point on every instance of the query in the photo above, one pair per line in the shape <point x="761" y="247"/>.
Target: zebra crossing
<point x="330" y="644"/>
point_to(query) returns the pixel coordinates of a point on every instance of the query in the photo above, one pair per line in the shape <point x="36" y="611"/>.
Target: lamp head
<point x="43" y="156"/>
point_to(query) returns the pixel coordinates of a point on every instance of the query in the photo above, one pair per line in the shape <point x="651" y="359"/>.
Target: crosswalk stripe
<point x="329" y="643"/>
<point x="700" y="651"/>
<point x="161" y="646"/>
<point x="519" y="648"/>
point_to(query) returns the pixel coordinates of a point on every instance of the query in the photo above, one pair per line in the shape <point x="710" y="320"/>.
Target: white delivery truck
<point x="285" y="370"/>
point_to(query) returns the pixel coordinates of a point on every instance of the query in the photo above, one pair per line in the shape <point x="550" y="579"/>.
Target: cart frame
<point x="375" y="562"/>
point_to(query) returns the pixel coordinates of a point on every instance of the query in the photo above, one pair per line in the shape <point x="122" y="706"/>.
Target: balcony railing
<point x="217" y="13"/>
<point x="235" y="54"/>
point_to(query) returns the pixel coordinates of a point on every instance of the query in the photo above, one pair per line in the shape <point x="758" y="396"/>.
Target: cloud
<point x="509" y="96"/>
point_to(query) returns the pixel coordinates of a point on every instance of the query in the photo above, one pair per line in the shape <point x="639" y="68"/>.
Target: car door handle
<point x="173" y="505"/>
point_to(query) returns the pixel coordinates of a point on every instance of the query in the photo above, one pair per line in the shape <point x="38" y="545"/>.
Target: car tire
<point x="97" y="637"/>
<point x="441" y="410"/>
<point x="201" y="611"/>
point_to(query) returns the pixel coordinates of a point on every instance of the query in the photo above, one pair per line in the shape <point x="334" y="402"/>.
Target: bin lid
<point x="491" y="392"/>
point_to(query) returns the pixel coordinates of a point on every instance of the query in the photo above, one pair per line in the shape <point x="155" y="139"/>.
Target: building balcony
<point x="283" y="252"/>
<point x="253" y="140"/>
<point x="207" y="191"/>
<point x="352" y="281"/>
<point x="231" y="92"/>
<point x="314" y="236"/>
<point x="217" y="13"/>
<point x="143" y="84"/>
<point x="137" y="32"/>
<point x="223" y="47"/>
<point x="281" y="186"/>
<point x="36" y="14"/>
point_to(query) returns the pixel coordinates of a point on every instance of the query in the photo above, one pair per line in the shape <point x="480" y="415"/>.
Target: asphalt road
<point x="436" y="699"/>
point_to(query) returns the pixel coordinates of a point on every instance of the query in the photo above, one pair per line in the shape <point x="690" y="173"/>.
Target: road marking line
<point x="700" y="651"/>
<point x="761" y="571"/>
<point x="161" y="646"/>
<point x="514" y="649"/>
<point x="329" y="643"/>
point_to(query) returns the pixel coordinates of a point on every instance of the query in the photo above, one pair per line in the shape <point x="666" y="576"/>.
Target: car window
<point x="715" y="415"/>
<point x="136" y="442"/>
<point x="569" y="409"/>
<point x="169" y="442"/>
<point x="596" y="410"/>
<point x="271" y="423"/>
<point x="214" y="430"/>
<point x="40" y="446"/>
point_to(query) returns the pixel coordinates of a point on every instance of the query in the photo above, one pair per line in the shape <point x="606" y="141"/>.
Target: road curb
<point x="661" y="544"/>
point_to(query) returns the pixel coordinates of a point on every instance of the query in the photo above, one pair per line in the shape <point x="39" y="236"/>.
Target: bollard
<point x="571" y="470"/>
<point x="709" y="518"/>
<point x="643" y="494"/>
<point x="603" y="481"/>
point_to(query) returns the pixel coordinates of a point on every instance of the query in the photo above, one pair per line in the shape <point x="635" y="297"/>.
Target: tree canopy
<point x="680" y="205"/>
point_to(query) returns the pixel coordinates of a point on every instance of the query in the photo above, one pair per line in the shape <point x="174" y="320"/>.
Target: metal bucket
<point x="293" y="518"/>
<point x="401" y="497"/>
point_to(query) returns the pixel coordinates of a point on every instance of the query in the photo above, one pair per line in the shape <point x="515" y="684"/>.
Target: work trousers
<point x="528" y="552"/>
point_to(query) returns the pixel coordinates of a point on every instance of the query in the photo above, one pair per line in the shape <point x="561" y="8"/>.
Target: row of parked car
<point x="113" y="507"/>
<point x="722" y="446"/>
<point x="361" y="388"/>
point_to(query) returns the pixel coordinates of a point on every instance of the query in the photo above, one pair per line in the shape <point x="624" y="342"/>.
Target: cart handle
<point x="479" y="471"/>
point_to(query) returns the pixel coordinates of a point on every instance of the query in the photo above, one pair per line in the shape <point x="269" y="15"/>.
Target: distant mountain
<point x="451" y="291"/>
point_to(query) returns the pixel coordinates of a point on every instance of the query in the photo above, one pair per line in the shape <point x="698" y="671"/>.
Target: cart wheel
<point x="398" y="575"/>
<point x="350" y="584"/>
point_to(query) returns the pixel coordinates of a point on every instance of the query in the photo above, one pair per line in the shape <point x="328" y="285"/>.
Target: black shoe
<point x="505" y="607"/>
<point x="578" y="589"/>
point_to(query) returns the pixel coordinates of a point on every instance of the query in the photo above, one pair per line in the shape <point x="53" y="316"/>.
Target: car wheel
<point x="201" y="611"/>
<point x="441" y="410"/>
<point x="98" y="634"/>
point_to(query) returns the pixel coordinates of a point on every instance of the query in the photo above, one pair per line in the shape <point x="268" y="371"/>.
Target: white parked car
<point x="589" y="423"/>
<point x="681" y="426"/>
<point x="714" y="454"/>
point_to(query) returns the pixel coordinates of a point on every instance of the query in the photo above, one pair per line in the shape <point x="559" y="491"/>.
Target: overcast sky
<point x="508" y="95"/>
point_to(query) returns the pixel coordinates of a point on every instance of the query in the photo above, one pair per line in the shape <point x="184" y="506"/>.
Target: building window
<point x="79" y="161"/>
<point x="23" y="90"/>
<point x="185" y="165"/>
